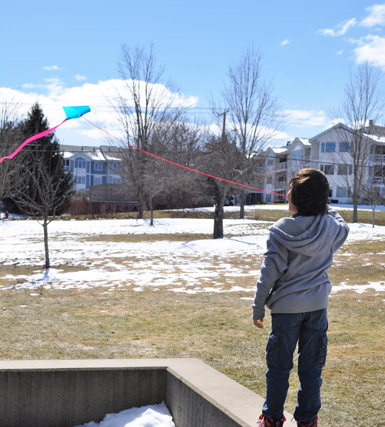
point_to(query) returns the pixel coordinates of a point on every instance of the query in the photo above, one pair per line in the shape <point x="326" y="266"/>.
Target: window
<point x="344" y="170"/>
<point x="328" y="147"/>
<point x="80" y="163"/>
<point x="342" y="192"/>
<point x="269" y="180"/>
<point x="327" y="169"/>
<point x="114" y="166"/>
<point x="80" y="180"/>
<point x="268" y="198"/>
<point x="116" y="180"/>
<point x="297" y="154"/>
<point x="343" y="147"/>
<point x="98" y="166"/>
<point x="98" y="180"/>
<point x="66" y="164"/>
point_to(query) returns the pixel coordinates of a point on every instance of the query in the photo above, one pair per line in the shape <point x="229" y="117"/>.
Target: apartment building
<point x="91" y="166"/>
<point x="330" y="152"/>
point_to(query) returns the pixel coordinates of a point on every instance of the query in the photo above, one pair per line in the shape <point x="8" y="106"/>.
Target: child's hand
<point x="258" y="323"/>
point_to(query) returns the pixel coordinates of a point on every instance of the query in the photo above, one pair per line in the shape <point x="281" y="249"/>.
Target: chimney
<point x="371" y="127"/>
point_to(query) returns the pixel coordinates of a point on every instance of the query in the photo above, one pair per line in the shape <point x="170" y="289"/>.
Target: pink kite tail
<point x="30" y="139"/>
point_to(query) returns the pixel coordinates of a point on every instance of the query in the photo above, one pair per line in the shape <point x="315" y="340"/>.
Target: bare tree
<point x="44" y="196"/>
<point x="252" y="112"/>
<point x="9" y="138"/>
<point x="178" y="144"/>
<point x="221" y="157"/>
<point x="144" y="104"/>
<point x="362" y="102"/>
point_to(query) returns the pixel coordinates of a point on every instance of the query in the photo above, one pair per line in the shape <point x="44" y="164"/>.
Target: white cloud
<point x="340" y="30"/>
<point x="371" y="49"/>
<point x="306" y="118"/>
<point x="79" y="77"/>
<point x="279" y="136"/>
<point x="340" y="52"/>
<point x="51" y="68"/>
<point x="30" y="86"/>
<point x="376" y="16"/>
<point x="285" y="42"/>
<point x="54" y="94"/>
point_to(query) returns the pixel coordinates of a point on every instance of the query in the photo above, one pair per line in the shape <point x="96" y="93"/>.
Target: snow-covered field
<point x="91" y="261"/>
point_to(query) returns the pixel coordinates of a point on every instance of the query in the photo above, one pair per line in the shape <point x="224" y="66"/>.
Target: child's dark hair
<point x="309" y="192"/>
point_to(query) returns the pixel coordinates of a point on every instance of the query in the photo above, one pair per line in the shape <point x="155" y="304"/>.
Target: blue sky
<point x="66" y="53"/>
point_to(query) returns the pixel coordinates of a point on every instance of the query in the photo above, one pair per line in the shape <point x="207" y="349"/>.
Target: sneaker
<point x="311" y="424"/>
<point x="270" y="421"/>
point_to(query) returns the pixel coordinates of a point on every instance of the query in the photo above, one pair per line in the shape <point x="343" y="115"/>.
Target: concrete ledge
<point x="65" y="393"/>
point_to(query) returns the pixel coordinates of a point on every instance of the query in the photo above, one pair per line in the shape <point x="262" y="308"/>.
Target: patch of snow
<point x="146" y="416"/>
<point x="376" y="286"/>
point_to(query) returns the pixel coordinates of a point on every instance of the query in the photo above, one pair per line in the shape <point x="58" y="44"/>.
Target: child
<point x="295" y="286"/>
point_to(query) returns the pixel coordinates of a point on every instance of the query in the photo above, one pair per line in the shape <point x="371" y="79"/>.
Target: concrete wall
<point x="54" y="398"/>
<point x="64" y="393"/>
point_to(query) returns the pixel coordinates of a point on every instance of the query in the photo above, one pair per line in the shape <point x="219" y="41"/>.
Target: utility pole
<point x="224" y="124"/>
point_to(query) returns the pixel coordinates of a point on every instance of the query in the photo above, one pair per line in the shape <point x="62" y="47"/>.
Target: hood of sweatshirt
<point x="305" y="235"/>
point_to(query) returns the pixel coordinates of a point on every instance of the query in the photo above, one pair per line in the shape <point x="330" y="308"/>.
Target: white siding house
<point x="329" y="151"/>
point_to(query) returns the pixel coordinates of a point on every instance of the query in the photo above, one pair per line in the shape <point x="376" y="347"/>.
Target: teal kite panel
<point x="76" y="112"/>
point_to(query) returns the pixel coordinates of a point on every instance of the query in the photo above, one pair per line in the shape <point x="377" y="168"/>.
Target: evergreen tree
<point x="45" y="180"/>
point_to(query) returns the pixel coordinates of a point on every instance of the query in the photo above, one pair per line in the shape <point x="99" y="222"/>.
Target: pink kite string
<point x="179" y="165"/>
<point x="30" y="139"/>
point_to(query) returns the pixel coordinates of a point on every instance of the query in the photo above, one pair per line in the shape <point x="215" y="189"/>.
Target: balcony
<point x="280" y="187"/>
<point x="378" y="159"/>
<point x="378" y="180"/>
<point x="281" y="166"/>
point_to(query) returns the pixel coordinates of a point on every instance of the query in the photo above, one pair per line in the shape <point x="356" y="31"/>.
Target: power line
<point x="91" y="150"/>
<point x="194" y="110"/>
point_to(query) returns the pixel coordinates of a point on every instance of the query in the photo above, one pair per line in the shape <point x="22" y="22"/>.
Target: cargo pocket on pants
<point x="272" y="350"/>
<point x="323" y="350"/>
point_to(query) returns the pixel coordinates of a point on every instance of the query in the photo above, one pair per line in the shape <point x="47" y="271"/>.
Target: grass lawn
<point x="215" y="327"/>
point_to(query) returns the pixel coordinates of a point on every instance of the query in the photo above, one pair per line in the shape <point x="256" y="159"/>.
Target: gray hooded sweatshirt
<point x="299" y="252"/>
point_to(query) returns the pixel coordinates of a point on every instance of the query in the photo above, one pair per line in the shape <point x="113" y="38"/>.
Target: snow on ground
<point x="142" y="263"/>
<point x="146" y="416"/>
<point x="91" y="261"/>
<point x="283" y="206"/>
<point x="359" y="289"/>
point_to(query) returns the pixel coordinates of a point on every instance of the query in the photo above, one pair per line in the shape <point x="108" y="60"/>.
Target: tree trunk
<point x="151" y="211"/>
<point x="242" y="200"/>
<point x="218" y="221"/>
<point x="355" y="209"/>
<point x="46" y="250"/>
<point x="140" y="205"/>
<point x="373" y="215"/>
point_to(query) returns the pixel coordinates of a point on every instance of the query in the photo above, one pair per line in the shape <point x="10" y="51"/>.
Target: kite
<point x="70" y="112"/>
